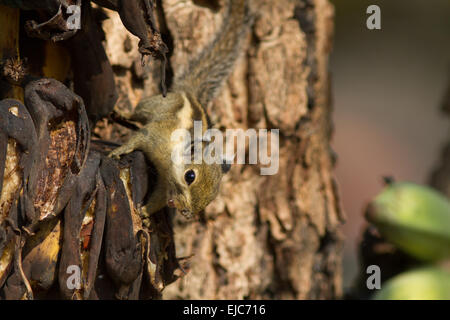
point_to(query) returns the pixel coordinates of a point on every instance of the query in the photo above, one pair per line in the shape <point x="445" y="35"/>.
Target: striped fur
<point x="206" y="73"/>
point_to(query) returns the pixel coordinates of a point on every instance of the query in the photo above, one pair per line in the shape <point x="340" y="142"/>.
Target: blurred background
<point x="388" y="87"/>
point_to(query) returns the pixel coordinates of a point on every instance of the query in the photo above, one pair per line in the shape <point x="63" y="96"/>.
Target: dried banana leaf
<point x="161" y="256"/>
<point x="84" y="220"/>
<point x="34" y="275"/>
<point x="55" y="155"/>
<point x="52" y="14"/>
<point x="93" y="74"/>
<point x="17" y="285"/>
<point x="63" y="138"/>
<point x="17" y="139"/>
<point x="139" y="18"/>
<point x="123" y="244"/>
<point x="154" y="234"/>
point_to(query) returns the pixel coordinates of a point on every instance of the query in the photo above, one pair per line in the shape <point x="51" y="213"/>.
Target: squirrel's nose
<point x="171" y="203"/>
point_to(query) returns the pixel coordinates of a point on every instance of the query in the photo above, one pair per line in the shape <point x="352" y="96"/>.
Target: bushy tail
<point x="206" y="74"/>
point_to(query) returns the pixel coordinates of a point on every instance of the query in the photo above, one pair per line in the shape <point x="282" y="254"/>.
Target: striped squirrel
<point x="188" y="187"/>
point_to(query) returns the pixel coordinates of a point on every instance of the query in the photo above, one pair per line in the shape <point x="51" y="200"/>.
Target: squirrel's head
<point x="195" y="187"/>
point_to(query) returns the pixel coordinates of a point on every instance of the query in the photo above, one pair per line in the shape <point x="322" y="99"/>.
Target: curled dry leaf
<point x="160" y="251"/>
<point x="17" y="138"/>
<point x="84" y="220"/>
<point x="53" y="136"/>
<point x="123" y="246"/>
<point x="52" y="15"/>
<point x="35" y="273"/>
<point x="63" y="137"/>
<point x="93" y="74"/>
<point x="139" y="250"/>
<point x="139" y="18"/>
<point x="43" y="168"/>
<point x="155" y="231"/>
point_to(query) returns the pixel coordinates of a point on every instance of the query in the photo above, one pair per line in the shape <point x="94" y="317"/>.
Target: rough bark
<point x="265" y="236"/>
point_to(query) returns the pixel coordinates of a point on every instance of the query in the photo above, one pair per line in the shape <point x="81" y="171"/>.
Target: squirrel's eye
<point x="189" y="176"/>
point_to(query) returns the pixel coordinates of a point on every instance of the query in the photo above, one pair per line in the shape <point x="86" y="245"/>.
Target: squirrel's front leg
<point x="134" y="143"/>
<point x="126" y="115"/>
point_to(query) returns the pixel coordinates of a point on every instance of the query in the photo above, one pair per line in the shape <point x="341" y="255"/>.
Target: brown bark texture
<point x="265" y="236"/>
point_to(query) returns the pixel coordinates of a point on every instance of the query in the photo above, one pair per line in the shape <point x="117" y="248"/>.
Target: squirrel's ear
<point x="226" y="167"/>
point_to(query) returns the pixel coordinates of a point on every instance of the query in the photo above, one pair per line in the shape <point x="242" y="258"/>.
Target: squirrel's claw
<point x="113" y="156"/>
<point x="116" y="153"/>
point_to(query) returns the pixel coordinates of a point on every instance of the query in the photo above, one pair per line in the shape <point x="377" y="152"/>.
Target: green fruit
<point x="414" y="218"/>
<point x="421" y="284"/>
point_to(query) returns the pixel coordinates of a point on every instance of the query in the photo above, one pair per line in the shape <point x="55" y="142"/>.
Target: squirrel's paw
<point x="113" y="154"/>
<point x="116" y="153"/>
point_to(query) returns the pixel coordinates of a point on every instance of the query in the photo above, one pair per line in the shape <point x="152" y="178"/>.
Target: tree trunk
<point x="264" y="237"/>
